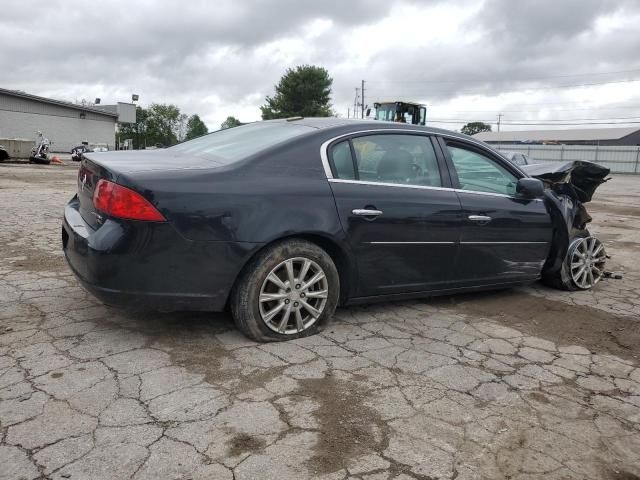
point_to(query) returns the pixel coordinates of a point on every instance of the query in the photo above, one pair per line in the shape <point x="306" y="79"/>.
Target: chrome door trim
<point x="505" y="243"/>
<point x="460" y="190"/>
<point x="426" y="187"/>
<point x="411" y="243"/>
<point x="385" y="184"/>
<point x="453" y="243"/>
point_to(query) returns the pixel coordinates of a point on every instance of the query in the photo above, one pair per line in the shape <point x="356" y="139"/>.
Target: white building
<point x="65" y="124"/>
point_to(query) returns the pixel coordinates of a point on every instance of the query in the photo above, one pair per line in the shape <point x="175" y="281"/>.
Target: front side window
<point x="402" y="159"/>
<point x="479" y="173"/>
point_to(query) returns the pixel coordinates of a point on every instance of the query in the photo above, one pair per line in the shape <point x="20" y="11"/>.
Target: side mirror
<point x="530" y="187"/>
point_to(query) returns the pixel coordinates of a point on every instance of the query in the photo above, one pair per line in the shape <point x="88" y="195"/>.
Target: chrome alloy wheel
<point x="293" y="296"/>
<point x="587" y="257"/>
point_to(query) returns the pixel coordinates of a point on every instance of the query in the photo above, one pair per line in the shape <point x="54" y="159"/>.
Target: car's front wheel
<point x="289" y="290"/>
<point x="583" y="266"/>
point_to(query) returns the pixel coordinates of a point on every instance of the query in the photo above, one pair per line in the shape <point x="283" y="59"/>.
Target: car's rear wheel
<point x="289" y="290"/>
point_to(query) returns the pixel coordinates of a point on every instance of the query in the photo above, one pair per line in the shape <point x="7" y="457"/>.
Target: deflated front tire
<point x="583" y="266"/>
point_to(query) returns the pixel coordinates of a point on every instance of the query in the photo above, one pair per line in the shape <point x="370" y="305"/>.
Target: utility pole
<point x="362" y="112"/>
<point x="348" y="112"/>
<point x="355" y="103"/>
<point x="500" y="115"/>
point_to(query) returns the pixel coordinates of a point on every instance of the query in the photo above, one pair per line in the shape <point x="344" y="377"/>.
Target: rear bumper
<point x="146" y="265"/>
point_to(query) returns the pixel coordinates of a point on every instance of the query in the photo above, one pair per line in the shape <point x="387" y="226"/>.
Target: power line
<point x="549" y="87"/>
<point x="432" y="120"/>
<point x="443" y="82"/>
<point x="554" y="119"/>
<point x="488" y="111"/>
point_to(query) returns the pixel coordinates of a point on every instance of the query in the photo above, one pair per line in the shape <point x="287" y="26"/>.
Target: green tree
<point x="302" y="92"/>
<point x="475" y="127"/>
<point x="163" y="124"/>
<point x="230" y="122"/>
<point x="160" y="124"/>
<point x="195" y="127"/>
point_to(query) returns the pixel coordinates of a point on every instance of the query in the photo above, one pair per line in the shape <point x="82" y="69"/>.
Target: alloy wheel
<point x="587" y="257"/>
<point x="293" y="296"/>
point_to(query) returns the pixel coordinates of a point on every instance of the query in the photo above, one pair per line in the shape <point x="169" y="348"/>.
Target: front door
<point x="402" y="221"/>
<point x="504" y="237"/>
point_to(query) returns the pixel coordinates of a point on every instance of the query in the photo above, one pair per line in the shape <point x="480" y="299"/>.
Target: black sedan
<point x="282" y="221"/>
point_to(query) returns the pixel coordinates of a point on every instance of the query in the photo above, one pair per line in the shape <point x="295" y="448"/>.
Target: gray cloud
<point x="219" y="58"/>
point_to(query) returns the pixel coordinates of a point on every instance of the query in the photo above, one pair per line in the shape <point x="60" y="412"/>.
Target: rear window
<point x="232" y="144"/>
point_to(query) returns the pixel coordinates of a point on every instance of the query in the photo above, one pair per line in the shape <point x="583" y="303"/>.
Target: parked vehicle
<point x="517" y="158"/>
<point x="40" y="151"/>
<point x="4" y="153"/>
<point x="78" y="151"/>
<point x="401" y="112"/>
<point x="284" y="220"/>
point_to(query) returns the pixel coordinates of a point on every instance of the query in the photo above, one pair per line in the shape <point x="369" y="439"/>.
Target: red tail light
<point x="122" y="202"/>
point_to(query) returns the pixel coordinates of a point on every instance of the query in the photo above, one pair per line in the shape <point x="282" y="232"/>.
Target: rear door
<point x="402" y="218"/>
<point x="504" y="237"/>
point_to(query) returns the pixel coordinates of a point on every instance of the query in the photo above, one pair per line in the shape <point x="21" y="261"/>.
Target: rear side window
<point x="232" y="144"/>
<point x="403" y="159"/>
<point x="342" y="161"/>
<point x="388" y="158"/>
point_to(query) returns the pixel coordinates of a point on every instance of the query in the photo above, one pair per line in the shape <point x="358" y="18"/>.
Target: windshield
<point x="232" y="144"/>
<point x="386" y="112"/>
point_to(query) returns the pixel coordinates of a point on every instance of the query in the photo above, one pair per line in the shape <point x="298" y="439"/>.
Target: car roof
<point x="346" y="125"/>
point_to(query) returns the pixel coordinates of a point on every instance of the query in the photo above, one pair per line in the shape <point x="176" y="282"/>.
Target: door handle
<point x="479" y="218"/>
<point x="365" y="212"/>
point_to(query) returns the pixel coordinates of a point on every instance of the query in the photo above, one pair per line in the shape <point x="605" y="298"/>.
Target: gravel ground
<point x="519" y="384"/>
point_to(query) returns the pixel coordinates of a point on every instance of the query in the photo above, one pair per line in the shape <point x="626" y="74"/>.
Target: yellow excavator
<point x="402" y="112"/>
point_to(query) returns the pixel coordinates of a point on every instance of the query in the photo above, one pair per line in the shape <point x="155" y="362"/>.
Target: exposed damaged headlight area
<point x="576" y="259"/>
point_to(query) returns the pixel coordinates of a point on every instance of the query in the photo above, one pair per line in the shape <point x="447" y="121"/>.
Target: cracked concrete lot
<point x="520" y="384"/>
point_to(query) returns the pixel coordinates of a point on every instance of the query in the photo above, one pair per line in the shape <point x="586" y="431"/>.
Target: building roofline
<point x="28" y="96"/>
<point x="564" y="134"/>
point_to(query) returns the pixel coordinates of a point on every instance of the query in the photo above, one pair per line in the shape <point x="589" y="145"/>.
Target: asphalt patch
<point x="346" y="426"/>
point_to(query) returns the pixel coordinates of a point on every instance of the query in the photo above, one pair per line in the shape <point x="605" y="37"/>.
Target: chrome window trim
<point x="324" y="155"/>
<point x="385" y="184"/>
<point x="426" y="187"/>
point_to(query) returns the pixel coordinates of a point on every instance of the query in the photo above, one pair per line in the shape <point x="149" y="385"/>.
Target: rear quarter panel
<point x="282" y="192"/>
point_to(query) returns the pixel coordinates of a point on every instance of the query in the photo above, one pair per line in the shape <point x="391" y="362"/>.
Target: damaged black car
<point x="282" y="221"/>
<point x="577" y="259"/>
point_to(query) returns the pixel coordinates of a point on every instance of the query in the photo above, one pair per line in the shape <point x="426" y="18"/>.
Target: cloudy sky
<point x="534" y="61"/>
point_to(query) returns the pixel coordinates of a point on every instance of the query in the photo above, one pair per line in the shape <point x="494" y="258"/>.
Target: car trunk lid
<point x="122" y="167"/>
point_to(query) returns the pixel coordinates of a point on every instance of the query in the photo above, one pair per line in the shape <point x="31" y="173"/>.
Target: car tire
<point x="253" y="314"/>
<point x="563" y="280"/>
